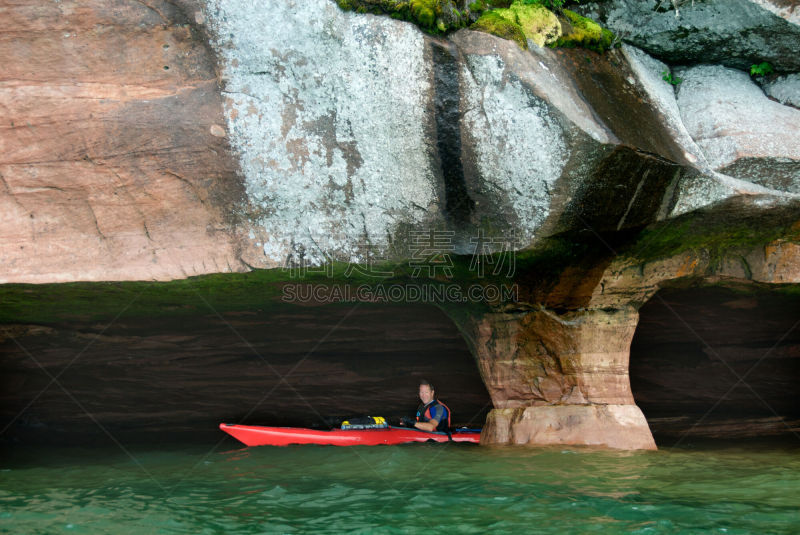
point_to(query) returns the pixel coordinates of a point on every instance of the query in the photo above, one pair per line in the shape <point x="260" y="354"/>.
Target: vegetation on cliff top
<point x="433" y="16"/>
<point x="544" y="22"/>
<point x="535" y="21"/>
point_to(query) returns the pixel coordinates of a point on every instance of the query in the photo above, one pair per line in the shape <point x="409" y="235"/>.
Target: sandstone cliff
<point x="157" y="141"/>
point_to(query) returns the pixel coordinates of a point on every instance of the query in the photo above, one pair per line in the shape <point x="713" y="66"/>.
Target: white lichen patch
<point x="327" y="112"/>
<point x="522" y="150"/>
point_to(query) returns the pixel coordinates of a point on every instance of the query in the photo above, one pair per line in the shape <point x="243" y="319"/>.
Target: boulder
<point x="784" y="89"/>
<point x="330" y="114"/>
<point x="735" y="33"/>
<point x="742" y="133"/>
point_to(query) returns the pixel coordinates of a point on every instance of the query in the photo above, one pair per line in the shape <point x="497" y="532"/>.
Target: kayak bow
<point x="251" y="435"/>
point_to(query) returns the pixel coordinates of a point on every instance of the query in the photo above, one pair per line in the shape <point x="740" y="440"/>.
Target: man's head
<point x="425" y="391"/>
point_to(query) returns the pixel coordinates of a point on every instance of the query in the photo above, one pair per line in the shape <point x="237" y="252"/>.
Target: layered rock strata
<point x="115" y="162"/>
<point x="555" y="375"/>
<point x="559" y="378"/>
<point x="702" y="367"/>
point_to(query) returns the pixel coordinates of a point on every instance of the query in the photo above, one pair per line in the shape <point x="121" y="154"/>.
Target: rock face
<point x="167" y="139"/>
<point x="784" y="89"/>
<point x="735" y="33"/>
<point x="634" y="277"/>
<point x="559" y="379"/>
<point x="152" y="379"/>
<point x="542" y="358"/>
<point x="348" y="131"/>
<point x="114" y="161"/>
<point x="741" y="132"/>
<point x="351" y="129"/>
<point x="544" y="144"/>
<point x="610" y="426"/>
<point x="556" y="374"/>
<point x="329" y="112"/>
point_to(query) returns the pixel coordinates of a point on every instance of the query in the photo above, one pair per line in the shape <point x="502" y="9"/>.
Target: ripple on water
<point x="402" y="490"/>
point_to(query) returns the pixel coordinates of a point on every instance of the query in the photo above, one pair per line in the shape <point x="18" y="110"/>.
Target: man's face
<point x="425" y="393"/>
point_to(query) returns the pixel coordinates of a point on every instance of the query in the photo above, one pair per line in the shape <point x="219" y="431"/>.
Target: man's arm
<point x="427" y="426"/>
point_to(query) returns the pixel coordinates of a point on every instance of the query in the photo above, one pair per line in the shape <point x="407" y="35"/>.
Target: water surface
<point x="400" y="489"/>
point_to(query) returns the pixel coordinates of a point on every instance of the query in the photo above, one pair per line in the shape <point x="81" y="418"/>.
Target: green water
<point x="401" y="489"/>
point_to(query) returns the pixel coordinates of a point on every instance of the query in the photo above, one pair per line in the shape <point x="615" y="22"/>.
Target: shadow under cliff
<point x="716" y="362"/>
<point x="176" y="377"/>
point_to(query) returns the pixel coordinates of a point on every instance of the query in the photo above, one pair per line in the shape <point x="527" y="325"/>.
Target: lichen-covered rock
<point x="650" y="73"/>
<point x="784" y="89"/>
<point x="735" y="33"/>
<point x="519" y="147"/>
<point x="704" y="186"/>
<point x="329" y="112"/>
<point x="787" y="9"/>
<point x="351" y="129"/>
<point x="742" y="132"/>
<point x="537" y="147"/>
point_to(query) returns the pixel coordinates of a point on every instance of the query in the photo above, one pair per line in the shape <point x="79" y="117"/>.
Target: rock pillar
<point x="559" y="378"/>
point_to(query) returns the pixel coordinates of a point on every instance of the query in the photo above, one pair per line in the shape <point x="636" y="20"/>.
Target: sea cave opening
<point x="175" y="377"/>
<point x="719" y="362"/>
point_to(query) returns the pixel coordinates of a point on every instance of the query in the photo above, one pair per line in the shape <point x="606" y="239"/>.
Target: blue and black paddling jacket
<point x="435" y="410"/>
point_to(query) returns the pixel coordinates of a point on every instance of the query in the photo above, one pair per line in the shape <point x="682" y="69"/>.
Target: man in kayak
<point x="432" y="414"/>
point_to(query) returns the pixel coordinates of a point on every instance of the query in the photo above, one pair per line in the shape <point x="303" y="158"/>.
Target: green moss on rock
<point x="496" y="24"/>
<point x="539" y="24"/>
<point x="432" y="16"/>
<point x="536" y="23"/>
<point x="718" y="235"/>
<point x="425" y="12"/>
<point x="581" y="32"/>
<point x="517" y="20"/>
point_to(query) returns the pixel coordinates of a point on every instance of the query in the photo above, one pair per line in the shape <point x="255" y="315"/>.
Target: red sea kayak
<point x="283" y="436"/>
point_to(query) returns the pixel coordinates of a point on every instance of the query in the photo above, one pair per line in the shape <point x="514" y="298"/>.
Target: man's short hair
<point x="426" y="383"/>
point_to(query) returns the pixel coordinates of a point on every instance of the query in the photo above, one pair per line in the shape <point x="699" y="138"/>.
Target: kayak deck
<point x="251" y="435"/>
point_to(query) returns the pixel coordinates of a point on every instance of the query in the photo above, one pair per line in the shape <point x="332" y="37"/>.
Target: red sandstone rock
<point x="113" y="160"/>
<point x="541" y="358"/>
<point x="612" y="426"/>
<point x="559" y="379"/>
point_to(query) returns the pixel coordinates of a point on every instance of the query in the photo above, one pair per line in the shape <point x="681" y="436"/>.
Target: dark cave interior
<point x="718" y="362"/>
<point x="177" y="377"/>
